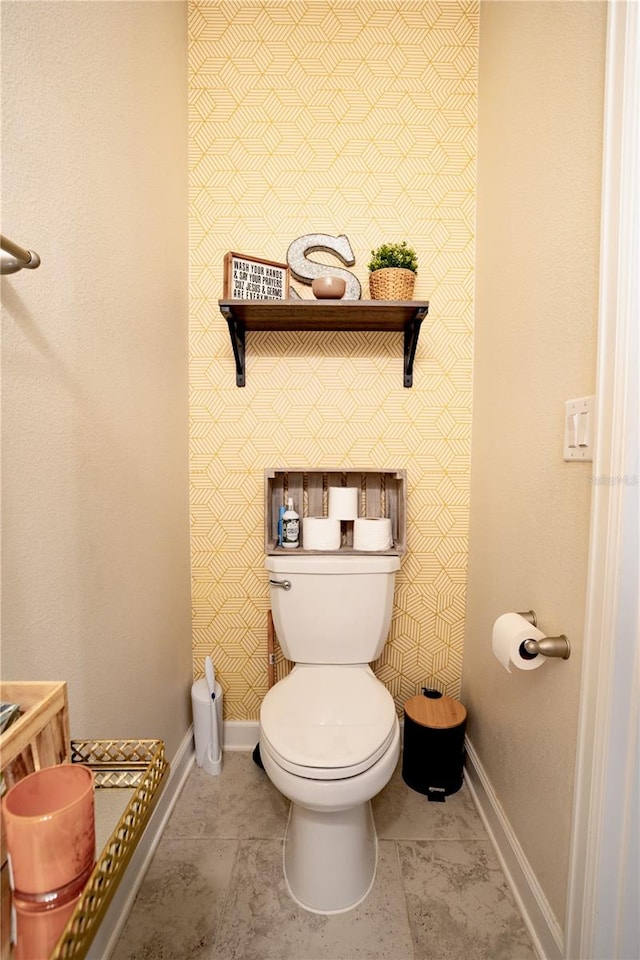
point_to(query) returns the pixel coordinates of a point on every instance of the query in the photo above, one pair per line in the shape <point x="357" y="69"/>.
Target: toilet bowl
<point x="329" y="733"/>
<point x="329" y="741"/>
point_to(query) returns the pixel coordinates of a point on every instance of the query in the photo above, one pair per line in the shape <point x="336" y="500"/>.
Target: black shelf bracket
<point x="237" y="334"/>
<point x="411" y="336"/>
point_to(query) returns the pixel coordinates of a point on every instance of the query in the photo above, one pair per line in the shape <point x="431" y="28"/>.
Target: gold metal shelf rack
<point x="140" y="764"/>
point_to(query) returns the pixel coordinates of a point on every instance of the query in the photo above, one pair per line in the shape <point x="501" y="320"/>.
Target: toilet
<point x="329" y="732"/>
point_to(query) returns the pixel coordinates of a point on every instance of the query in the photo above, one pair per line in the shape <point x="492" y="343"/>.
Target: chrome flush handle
<point x="285" y="584"/>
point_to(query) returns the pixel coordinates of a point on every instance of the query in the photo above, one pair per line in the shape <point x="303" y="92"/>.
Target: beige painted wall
<point x="540" y="140"/>
<point x="94" y="394"/>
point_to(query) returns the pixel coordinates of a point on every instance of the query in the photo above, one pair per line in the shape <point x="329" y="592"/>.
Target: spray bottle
<point x="290" y="526"/>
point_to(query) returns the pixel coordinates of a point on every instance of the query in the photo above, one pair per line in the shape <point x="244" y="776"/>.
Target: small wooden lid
<point x="440" y="713"/>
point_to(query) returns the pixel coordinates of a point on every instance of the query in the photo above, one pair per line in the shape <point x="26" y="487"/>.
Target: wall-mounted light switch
<point x="579" y="428"/>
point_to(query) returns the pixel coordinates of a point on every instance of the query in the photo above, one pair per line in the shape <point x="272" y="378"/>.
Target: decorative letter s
<point x="306" y="270"/>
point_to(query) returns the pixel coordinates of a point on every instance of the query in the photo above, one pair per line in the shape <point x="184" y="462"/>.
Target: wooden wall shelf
<point x="400" y="316"/>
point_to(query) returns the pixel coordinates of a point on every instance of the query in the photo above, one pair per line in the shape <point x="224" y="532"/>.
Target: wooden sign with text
<point x="252" y="278"/>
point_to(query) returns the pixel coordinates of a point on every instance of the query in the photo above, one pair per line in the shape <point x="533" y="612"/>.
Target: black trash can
<point x="433" y="755"/>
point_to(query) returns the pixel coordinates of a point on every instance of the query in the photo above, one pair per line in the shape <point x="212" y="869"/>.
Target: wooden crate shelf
<point x="381" y="493"/>
<point x="40" y="737"/>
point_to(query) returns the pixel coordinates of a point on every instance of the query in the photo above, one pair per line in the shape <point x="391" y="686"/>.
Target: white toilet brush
<point x="215" y="753"/>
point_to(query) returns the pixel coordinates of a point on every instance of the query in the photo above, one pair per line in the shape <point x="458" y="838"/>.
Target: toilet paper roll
<point x="343" y="503"/>
<point x="371" y="533"/>
<point x="509" y="633"/>
<point x="320" y="533"/>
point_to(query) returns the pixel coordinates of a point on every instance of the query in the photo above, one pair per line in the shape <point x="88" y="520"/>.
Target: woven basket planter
<point x="392" y="283"/>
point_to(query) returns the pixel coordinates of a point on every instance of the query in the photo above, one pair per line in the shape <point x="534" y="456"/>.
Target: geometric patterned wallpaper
<point x="339" y="118"/>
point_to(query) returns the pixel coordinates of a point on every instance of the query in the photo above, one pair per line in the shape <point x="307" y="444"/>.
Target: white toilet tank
<point x="336" y="609"/>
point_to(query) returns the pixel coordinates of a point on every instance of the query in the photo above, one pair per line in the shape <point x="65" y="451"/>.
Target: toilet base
<point x="342" y="848"/>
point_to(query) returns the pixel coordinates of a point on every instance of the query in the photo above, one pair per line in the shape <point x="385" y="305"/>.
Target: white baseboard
<point x="111" y="927"/>
<point x="541" y="922"/>
<point x="240" y="734"/>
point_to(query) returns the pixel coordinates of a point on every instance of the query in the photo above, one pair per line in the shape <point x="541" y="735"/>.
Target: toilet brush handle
<point x="210" y="674"/>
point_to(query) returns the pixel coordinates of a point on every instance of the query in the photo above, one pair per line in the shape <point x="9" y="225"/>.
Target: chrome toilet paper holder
<point x="547" y="647"/>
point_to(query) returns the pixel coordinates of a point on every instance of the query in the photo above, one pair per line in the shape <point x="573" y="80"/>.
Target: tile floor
<point x="214" y="890"/>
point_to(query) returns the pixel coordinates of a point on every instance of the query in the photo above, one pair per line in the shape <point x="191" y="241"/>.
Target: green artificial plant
<point x="394" y="255"/>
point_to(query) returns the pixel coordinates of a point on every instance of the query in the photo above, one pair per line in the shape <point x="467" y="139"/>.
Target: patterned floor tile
<point x="403" y="814"/>
<point x="261" y="922"/>
<point x="240" y="803"/>
<point x="178" y="908"/>
<point x="215" y="889"/>
<point x="460" y="907"/>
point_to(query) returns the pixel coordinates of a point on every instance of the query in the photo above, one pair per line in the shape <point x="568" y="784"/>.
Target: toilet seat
<point x="328" y="722"/>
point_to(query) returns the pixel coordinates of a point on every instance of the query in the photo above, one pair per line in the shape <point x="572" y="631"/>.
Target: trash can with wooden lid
<point x="433" y="755"/>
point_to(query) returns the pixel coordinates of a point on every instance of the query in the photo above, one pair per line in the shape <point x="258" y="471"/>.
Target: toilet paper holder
<point x="547" y="647"/>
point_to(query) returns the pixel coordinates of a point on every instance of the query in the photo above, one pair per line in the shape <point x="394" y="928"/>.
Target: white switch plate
<point x="579" y="428"/>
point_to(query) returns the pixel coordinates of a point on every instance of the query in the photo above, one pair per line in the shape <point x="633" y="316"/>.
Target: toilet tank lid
<point x="332" y="564"/>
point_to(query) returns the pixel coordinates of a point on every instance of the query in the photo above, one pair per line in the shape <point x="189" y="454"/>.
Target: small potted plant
<point x="392" y="272"/>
